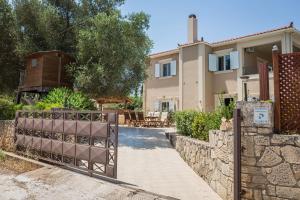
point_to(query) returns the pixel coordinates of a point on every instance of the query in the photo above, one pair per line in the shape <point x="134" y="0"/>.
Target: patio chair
<point x="156" y="114"/>
<point x="164" y="118"/>
<point x="150" y="114"/>
<point x="127" y="118"/>
<point x="141" y="119"/>
<point x="133" y="119"/>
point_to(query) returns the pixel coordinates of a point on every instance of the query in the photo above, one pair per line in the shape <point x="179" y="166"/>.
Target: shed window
<point x="34" y="62"/>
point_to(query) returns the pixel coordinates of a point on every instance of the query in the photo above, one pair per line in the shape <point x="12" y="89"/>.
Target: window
<point x="34" y="62"/>
<point x="167" y="69"/>
<point x="165" y="106"/>
<point x="224" y="63"/>
<point x="221" y="63"/>
<point x="227" y="62"/>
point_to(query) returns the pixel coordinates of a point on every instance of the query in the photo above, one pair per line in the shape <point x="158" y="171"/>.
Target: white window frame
<point x="171" y="72"/>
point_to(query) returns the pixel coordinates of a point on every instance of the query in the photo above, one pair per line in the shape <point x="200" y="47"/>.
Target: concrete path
<point x="147" y="160"/>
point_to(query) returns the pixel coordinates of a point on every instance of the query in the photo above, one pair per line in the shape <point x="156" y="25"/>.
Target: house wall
<point x="162" y="87"/>
<point x="190" y="81"/>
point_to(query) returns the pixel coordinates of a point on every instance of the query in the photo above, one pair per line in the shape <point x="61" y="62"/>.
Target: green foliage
<point x="184" y="120"/>
<point x="204" y="122"/>
<point x="66" y="98"/>
<point x="198" y="124"/>
<point x="226" y="111"/>
<point x="137" y="103"/>
<point x="9" y="60"/>
<point x="111" y="54"/>
<point x="8" y="108"/>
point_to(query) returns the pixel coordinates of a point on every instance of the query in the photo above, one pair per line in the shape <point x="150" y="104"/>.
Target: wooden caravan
<point x="45" y="70"/>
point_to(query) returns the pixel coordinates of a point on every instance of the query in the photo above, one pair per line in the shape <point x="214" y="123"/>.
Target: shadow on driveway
<point x="142" y="138"/>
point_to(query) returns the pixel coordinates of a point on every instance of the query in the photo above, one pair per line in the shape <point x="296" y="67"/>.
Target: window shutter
<point x="157" y="105"/>
<point x="234" y="60"/>
<point x="173" y="68"/>
<point x="212" y="62"/>
<point x="157" y="70"/>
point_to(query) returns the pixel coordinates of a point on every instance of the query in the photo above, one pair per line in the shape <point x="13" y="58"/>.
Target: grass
<point x="15" y="165"/>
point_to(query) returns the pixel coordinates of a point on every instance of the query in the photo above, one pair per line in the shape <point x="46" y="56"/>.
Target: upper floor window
<point x="223" y="62"/>
<point x="34" y="62"/>
<point x="165" y="69"/>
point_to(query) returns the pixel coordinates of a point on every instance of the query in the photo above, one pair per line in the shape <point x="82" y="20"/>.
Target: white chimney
<point x="192" y="29"/>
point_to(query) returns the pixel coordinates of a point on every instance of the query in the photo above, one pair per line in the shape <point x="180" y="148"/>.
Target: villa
<point x="194" y="75"/>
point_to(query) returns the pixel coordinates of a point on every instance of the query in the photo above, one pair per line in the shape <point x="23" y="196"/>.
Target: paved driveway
<point x="147" y="160"/>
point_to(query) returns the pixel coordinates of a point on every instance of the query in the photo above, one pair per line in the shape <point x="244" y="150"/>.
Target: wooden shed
<point x="44" y="70"/>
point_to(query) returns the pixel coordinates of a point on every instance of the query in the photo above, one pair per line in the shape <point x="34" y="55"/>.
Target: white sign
<point x="261" y="116"/>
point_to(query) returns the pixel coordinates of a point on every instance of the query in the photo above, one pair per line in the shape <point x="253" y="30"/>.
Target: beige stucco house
<point x="195" y="74"/>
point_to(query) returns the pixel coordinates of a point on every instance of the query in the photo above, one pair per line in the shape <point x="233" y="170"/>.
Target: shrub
<point x="204" y="122"/>
<point x="66" y="98"/>
<point x="226" y="111"/>
<point x="8" y="108"/>
<point x="184" y="120"/>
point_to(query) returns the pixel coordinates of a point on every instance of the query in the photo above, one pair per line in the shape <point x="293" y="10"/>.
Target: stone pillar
<point x="270" y="162"/>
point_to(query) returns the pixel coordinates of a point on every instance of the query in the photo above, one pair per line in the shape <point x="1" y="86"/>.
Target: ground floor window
<point x="227" y="101"/>
<point x="165" y="106"/>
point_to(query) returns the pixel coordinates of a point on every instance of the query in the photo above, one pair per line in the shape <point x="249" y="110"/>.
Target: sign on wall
<point x="261" y="116"/>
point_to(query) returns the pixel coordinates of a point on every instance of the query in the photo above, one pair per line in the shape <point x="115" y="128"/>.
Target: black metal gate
<point x="84" y="140"/>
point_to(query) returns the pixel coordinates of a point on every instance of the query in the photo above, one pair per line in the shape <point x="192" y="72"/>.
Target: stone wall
<point x="270" y="162"/>
<point x="7" y="135"/>
<point x="212" y="160"/>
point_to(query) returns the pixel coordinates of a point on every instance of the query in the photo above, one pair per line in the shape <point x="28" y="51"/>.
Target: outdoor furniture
<point x="127" y="118"/>
<point x="133" y="119"/>
<point x="141" y="119"/>
<point x="165" y="119"/>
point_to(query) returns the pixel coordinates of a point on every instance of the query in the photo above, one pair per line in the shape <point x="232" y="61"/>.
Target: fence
<point x="87" y="141"/>
<point x="287" y="91"/>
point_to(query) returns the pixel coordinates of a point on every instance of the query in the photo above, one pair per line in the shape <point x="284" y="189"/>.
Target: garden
<point x="197" y="124"/>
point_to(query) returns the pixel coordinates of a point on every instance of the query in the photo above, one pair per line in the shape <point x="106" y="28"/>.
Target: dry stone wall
<point x="212" y="160"/>
<point x="7" y="135"/>
<point x="270" y="162"/>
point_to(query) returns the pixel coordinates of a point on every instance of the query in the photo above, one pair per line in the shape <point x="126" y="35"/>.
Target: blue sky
<point x="217" y="19"/>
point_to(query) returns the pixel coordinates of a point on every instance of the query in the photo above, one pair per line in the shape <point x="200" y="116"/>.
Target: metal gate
<point x="85" y="140"/>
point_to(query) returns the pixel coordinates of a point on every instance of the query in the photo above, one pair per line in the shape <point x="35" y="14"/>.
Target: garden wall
<point x="270" y="162"/>
<point x="212" y="160"/>
<point x="7" y="135"/>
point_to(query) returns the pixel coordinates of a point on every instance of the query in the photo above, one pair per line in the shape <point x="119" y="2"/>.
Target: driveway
<point x="48" y="183"/>
<point x="147" y="160"/>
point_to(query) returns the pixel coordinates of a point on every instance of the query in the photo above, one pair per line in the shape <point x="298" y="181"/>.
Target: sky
<point x="217" y="19"/>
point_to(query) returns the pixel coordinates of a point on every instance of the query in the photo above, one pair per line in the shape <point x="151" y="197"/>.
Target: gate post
<point x="237" y="154"/>
<point x="275" y="57"/>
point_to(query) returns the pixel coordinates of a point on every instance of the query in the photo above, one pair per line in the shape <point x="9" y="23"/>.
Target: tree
<point x="111" y="54"/>
<point x="9" y="62"/>
<point x="39" y="27"/>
